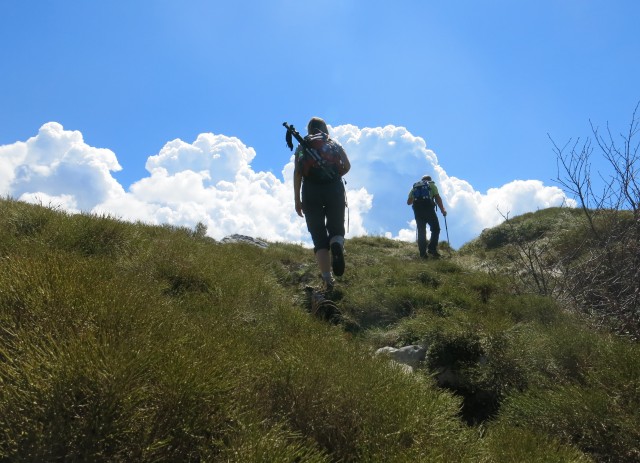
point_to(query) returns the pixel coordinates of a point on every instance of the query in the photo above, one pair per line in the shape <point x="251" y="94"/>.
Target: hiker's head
<point x="427" y="178"/>
<point x="317" y="125"/>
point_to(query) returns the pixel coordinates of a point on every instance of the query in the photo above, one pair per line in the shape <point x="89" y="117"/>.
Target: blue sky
<point x="171" y="111"/>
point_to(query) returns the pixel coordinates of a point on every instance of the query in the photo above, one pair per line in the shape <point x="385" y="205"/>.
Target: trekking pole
<point x="447" y="229"/>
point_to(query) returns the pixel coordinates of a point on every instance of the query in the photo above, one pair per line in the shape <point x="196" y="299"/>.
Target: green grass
<point x="129" y="342"/>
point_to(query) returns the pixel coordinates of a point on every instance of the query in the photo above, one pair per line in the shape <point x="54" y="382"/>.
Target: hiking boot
<point x="328" y="284"/>
<point x="435" y="254"/>
<point x="337" y="259"/>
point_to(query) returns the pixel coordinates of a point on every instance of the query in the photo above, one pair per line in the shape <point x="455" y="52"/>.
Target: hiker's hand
<point x="444" y="213"/>
<point x="299" y="207"/>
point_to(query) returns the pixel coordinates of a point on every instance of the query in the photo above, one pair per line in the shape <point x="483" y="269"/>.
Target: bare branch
<point x="603" y="279"/>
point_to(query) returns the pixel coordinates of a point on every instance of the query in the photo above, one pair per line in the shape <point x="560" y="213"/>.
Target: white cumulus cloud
<point x="211" y="180"/>
<point x="57" y="166"/>
<point x="386" y="161"/>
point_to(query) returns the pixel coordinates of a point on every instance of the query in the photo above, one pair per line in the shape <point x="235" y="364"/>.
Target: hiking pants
<point x="323" y="206"/>
<point x="427" y="215"/>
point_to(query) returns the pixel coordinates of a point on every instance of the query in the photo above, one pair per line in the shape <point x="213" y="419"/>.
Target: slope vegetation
<point x="128" y="342"/>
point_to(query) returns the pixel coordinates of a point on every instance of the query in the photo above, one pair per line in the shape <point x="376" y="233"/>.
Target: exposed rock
<point x="235" y="238"/>
<point x="402" y="367"/>
<point x="409" y="355"/>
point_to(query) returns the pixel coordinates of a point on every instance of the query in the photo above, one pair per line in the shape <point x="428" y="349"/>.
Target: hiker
<point x="423" y="198"/>
<point x="323" y="198"/>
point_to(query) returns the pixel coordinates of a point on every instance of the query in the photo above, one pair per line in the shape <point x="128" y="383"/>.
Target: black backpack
<point x="422" y="193"/>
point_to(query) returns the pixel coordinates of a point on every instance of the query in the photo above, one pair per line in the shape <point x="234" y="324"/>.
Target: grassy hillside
<point x="589" y="263"/>
<point x="127" y="342"/>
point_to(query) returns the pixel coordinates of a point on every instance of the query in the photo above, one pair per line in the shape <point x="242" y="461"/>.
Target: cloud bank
<point x="211" y="181"/>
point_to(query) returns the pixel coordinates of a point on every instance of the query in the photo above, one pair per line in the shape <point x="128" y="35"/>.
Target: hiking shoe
<point x="328" y="285"/>
<point x="337" y="259"/>
<point x="435" y="254"/>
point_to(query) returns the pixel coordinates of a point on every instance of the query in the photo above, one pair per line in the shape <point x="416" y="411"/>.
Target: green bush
<point x="512" y="443"/>
<point x="588" y="418"/>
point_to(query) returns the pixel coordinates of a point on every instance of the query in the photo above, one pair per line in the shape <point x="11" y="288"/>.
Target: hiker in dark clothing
<point x="423" y="198"/>
<point x="323" y="198"/>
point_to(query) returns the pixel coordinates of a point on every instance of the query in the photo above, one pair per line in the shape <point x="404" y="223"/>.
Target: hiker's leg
<point x="421" y="226"/>
<point x="335" y="206"/>
<point x="434" y="227"/>
<point x="314" y="215"/>
<point x="324" y="262"/>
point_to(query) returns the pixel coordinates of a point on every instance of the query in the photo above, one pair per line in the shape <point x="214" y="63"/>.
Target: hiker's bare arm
<point x="440" y="205"/>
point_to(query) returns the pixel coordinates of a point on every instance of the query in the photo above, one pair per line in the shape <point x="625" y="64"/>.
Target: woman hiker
<point x="320" y="196"/>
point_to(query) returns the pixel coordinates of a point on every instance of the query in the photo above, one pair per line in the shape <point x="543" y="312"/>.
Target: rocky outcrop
<point x="411" y="356"/>
<point x="235" y="238"/>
